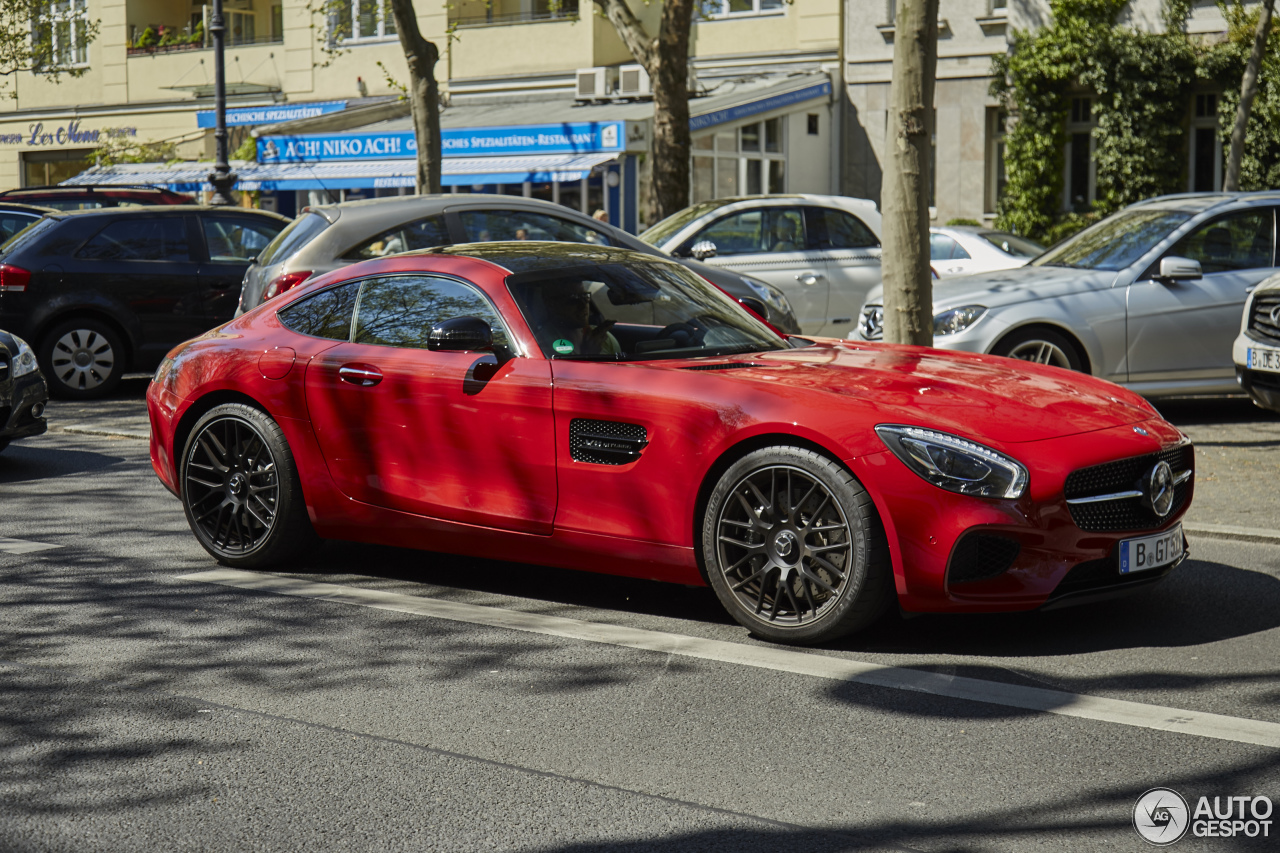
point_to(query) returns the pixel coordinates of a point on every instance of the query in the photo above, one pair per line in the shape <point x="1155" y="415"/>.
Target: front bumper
<point x="1022" y="554"/>
<point x="1263" y="387"/>
<point x="22" y="415"/>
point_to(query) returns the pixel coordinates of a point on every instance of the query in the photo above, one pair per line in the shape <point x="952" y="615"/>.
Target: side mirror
<point x="703" y="249"/>
<point x="1174" y="268"/>
<point x="460" y="334"/>
<point x="756" y="305"/>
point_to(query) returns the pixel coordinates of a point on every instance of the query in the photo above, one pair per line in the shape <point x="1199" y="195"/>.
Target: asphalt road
<point x="381" y="699"/>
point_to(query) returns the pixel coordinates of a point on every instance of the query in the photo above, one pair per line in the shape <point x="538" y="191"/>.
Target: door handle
<point x="360" y="374"/>
<point x="809" y="277"/>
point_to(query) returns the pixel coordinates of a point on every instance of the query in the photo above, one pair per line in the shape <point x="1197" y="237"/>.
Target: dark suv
<point x="102" y="292"/>
<point x="22" y="391"/>
<point x="82" y="198"/>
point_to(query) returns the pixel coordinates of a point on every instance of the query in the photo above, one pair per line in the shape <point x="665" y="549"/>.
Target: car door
<point x="461" y="436"/>
<point x="772" y="243"/>
<point x="230" y="243"/>
<point x="1183" y="330"/>
<point x="147" y="263"/>
<point x="850" y="251"/>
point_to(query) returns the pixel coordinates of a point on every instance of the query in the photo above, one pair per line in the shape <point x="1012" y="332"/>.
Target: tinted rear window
<point x="299" y="233"/>
<point x="27" y="234"/>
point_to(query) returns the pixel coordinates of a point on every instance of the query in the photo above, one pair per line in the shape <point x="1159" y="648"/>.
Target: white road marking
<point x="22" y="546"/>
<point x="1200" y="724"/>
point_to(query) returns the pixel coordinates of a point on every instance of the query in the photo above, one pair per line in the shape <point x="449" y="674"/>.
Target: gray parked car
<point x="822" y="251"/>
<point x="1149" y="297"/>
<point x="326" y="237"/>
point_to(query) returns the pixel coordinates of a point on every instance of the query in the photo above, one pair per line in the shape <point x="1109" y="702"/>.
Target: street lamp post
<point x="221" y="177"/>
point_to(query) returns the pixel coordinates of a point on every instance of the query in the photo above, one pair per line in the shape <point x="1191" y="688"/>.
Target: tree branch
<point x="642" y="46"/>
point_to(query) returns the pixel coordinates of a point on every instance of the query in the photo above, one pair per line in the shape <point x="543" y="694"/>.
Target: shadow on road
<point x="24" y="461"/>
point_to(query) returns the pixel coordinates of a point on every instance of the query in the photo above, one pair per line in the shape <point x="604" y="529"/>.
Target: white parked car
<point x="967" y="249"/>
<point x="1256" y="350"/>
<point x="821" y="251"/>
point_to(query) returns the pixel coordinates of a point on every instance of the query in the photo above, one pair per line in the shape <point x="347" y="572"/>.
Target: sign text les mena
<point x="567" y="138"/>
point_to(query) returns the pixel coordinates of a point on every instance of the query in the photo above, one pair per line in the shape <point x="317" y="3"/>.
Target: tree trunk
<point x="908" y="288"/>
<point x="666" y="60"/>
<point x="1248" y="89"/>
<point x="424" y="95"/>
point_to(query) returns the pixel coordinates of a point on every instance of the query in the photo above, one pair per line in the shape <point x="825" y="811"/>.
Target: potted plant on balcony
<point x="148" y="40"/>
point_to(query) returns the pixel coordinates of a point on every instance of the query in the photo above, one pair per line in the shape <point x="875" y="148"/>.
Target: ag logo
<point x="1161" y="816"/>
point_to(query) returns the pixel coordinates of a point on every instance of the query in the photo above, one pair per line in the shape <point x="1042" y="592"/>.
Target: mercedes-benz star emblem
<point x="1275" y="314"/>
<point x="783" y="543"/>
<point x="1160" y="489"/>
<point x="1140" y="431"/>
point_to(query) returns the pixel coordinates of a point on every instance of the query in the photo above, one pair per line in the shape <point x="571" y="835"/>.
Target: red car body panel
<point x="495" y="478"/>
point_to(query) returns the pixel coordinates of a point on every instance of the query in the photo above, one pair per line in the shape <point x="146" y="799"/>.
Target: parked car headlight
<point x="25" y="361"/>
<point x="771" y="296"/>
<point x="955" y="464"/>
<point x="956" y="320"/>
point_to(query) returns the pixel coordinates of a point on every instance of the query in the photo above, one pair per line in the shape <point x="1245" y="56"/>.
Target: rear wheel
<point x="82" y="358"/>
<point x="794" y="548"/>
<point x="240" y="489"/>
<point x="1043" y="346"/>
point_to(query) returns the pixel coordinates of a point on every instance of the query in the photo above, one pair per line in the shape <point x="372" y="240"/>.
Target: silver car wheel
<point x="1041" y="352"/>
<point x="83" y="359"/>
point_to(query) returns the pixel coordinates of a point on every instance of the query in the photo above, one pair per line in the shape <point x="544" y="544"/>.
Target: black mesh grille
<point x="1101" y="575"/>
<point x="1125" y="475"/>
<point x="733" y="365"/>
<point x="1260" y="322"/>
<point x="605" y="442"/>
<point x="980" y="556"/>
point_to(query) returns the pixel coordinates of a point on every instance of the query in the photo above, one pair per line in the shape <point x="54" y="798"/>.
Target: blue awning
<point x="368" y="174"/>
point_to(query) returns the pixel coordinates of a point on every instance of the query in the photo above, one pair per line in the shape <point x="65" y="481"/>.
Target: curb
<point x="105" y="432"/>
<point x="1229" y="531"/>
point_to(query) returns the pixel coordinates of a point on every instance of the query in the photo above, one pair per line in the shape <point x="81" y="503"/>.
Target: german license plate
<point x="1151" y="552"/>
<point x="1264" y="358"/>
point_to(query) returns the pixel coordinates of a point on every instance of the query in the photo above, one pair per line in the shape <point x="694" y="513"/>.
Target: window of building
<point x="65" y="33"/>
<point x="734" y="8"/>
<point x="749" y="160"/>
<point x="1205" y="167"/>
<point x="354" y="20"/>
<point x="995" y="175"/>
<point x="1081" y="177"/>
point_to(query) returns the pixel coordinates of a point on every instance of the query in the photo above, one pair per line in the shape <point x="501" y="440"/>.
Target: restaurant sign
<point x="67" y="134"/>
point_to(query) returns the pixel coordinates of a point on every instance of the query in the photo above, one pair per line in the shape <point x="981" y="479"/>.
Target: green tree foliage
<point x="1223" y="65"/>
<point x="37" y="35"/>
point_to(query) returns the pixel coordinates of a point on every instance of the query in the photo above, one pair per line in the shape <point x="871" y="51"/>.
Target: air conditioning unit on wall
<point x="633" y="82"/>
<point x="596" y="84"/>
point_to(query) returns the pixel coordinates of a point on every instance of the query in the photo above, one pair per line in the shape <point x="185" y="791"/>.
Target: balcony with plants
<point x="171" y="27"/>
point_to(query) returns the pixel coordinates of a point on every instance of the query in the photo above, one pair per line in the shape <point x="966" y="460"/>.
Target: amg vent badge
<point x="605" y="442"/>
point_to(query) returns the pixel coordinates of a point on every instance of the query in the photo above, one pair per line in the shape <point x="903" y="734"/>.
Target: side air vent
<point x="605" y="442"/>
<point x="979" y="557"/>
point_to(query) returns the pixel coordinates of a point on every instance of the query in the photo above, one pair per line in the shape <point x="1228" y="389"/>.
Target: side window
<point x="422" y="233"/>
<point x="11" y="223"/>
<point x="835" y="229"/>
<point x="400" y="311"/>
<point x="137" y="238"/>
<point x="944" y="248"/>
<point x="325" y="315"/>
<point x="237" y="239"/>
<point x="736" y="234"/>
<point x="1241" y="241"/>
<point x="483" y="226"/>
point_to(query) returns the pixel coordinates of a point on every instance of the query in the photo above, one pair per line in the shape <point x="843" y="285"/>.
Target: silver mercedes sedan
<point x="1149" y="297"/>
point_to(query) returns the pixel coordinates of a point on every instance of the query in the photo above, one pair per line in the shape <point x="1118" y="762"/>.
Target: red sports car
<point x="598" y="409"/>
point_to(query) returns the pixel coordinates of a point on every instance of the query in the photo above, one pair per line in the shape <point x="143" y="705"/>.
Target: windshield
<point x="296" y="234"/>
<point x="667" y="228"/>
<point x="1115" y="242"/>
<point x="637" y="311"/>
<point x="1012" y="244"/>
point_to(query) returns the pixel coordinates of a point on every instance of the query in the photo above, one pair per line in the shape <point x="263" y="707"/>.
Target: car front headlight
<point x="25" y="361"/>
<point x="956" y="320"/>
<point x="955" y="464"/>
<point x="771" y="296"/>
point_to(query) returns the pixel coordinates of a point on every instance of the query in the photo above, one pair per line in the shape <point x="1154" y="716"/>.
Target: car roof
<point x="25" y="208"/>
<point x="88" y="190"/>
<point x="1200" y="202"/>
<point x="166" y="210"/>
<point x="524" y="256"/>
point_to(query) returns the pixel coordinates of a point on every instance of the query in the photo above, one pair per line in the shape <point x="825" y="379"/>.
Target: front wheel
<point x="1043" y="346"/>
<point x="794" y="549"/>
<point x="240" y="489"/>
<point x="83" y="359"/>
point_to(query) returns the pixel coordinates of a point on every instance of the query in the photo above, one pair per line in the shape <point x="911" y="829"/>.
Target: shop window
<point x="749" y="159"/>
<point x="711" y="9"/>
<point x="995" y="174"/>
<point x="46" y="168"/>
<point x="1080" y="178"/>
<point x="355" y="20"/>
<point x="1206" y="146"/>
<point x="63" y="33"/>
<point x="401" y="311"/>
<point x="812" y="119"/>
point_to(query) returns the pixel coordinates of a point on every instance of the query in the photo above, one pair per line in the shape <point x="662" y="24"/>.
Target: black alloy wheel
<point x="794" y="548"/>
<point x="240" y="489"/>
<point x="83" y="359"/>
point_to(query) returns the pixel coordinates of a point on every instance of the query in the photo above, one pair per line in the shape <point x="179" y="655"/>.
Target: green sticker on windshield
<point x="562" y="346"/>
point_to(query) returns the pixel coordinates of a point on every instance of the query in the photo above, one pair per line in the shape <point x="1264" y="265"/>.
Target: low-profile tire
<point x="794" y="548"/>
<point x="82" y="358"/>
<point x="1042" y="346"/>
<point x="241" y="491"/>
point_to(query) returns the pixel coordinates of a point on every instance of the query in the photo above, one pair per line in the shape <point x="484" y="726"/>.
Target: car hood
<point x="986" y="398"/>
<point x="1007" y="287"/>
